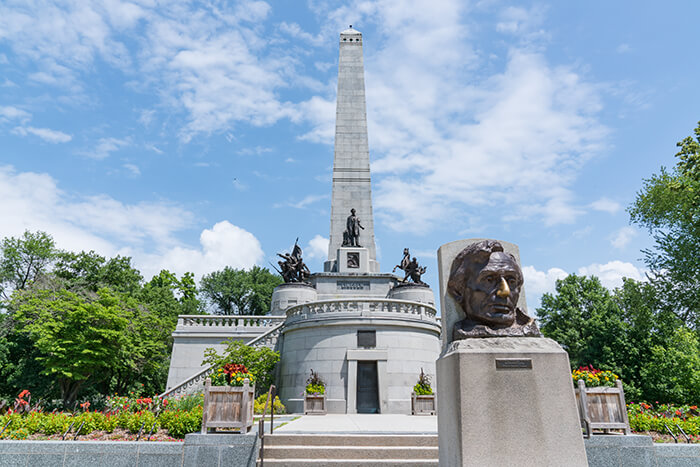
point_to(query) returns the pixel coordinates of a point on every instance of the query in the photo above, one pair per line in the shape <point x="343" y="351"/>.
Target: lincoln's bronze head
<point x="486" y="282"/>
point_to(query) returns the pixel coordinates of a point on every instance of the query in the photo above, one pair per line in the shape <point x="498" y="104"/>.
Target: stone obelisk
<point x="351" y="177"/>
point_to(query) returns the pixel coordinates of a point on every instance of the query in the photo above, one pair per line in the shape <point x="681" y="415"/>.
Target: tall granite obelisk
<point x="351" y="177"/>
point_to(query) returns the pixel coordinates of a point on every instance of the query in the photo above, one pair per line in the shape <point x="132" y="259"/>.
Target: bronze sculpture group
<point x="293" y="269"/>
<point x="411" y="268"/>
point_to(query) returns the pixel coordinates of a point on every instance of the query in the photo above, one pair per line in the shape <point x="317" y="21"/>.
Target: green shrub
<point x="277" y="406"/>
<point x="315" y="385"/>
<point x="180" y="422"/>
<point x="136" y="420"/>
<point x="90" y="421"/>
<point x="259" y="361"/>
<point x="645" y="417"/>
<point x="187" y="402"/>
<point x="56" y="423"/>
<point x="422" y="387"/>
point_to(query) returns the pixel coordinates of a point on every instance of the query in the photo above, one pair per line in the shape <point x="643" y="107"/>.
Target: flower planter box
<point x="228" y="407"/>
<point x="315" y="404"/>
<point x="602" y="408"/>
<point x="422" y="405"/>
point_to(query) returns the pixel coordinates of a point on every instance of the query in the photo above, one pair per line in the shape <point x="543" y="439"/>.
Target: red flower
<point x="23" y="393"/>
<point x="85" y="405"/>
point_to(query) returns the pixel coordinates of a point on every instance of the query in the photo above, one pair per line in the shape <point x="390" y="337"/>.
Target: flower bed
<point x="645" y="418"/>
<point x="123" y="418"/>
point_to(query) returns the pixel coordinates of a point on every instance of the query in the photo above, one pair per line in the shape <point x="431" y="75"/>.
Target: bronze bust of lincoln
<point x="485" y="281"/>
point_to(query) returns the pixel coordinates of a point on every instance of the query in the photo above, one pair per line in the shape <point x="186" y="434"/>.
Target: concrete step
<point x="349" y="463"/>
<point x="350" y="440"/>
<point x="351" y="452"/>
<point x="296" y="450"/>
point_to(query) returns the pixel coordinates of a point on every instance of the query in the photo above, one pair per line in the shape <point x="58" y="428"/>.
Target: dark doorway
<point x="367" y="388"/>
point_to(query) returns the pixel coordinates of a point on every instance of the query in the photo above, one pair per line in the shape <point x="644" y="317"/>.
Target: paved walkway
<point x="362" y="424"/>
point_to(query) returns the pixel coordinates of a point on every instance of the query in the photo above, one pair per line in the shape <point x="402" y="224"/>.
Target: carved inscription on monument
<point x="513" y="364"/>
<point x="353" y="285"/>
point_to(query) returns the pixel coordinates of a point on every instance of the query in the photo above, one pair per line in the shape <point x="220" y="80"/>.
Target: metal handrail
<point x="271" y="393"/>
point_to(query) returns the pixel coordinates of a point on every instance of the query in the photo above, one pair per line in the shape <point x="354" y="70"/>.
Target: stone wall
<point x="197" y="450"/>
<point x="331" y="350"/>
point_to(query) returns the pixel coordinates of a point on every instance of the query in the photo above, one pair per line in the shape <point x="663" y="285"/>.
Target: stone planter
<point x="422" y="405"/>
<point x="228" y="406"/>
<point x="315" y="404"/>
<point x="602" y="408"/>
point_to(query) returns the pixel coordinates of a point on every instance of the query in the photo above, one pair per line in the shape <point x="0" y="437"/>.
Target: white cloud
<point x="133" y="169"/>
<point x="472" y="138"/>
<point x="216" y="66"/>
<point x="223" y="245"/>
<point x="623" y="48"/>
<point x="105" y="147"/>
<point x="612" y="272"/>
<point x="521" y="22"/>
<point x="606" y="205"/>
<point x="34" y="201"/>
<point x="145" y="231"/>
<point x="538" y="283"/>
<point x="214" y="63"/>
<point x="255" y="151"/>
<point x="153" y="148"/>
<point x="239" y="185"/>
<point x="9" y="112"/>
<point x="623" y="236"/>
<point x="321" y="113"/>
<point x="294" y="30"/>
<point x="48" y="135"/>
<point x="146" y="117"/>
<point x="317" y="248"/>
<point x="303" y="203"/>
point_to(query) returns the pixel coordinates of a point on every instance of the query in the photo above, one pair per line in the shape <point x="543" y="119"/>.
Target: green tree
<point x="171" y="296"/>
<point x="240" y="292"/>
<point x="90" y="271"/>
<point x="672" y="373"/>
<point x="669" y="206"/>
<point x="584" y="318"/>
<point x="77" y="339"/>
<point x="23" y="259"/>
<point x="260" y="361"/>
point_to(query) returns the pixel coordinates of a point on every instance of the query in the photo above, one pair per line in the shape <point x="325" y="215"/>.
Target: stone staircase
<point x="196" y="382"/>
<point x="351" y="450"/>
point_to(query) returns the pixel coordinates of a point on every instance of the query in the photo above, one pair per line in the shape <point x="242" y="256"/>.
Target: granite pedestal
<point x="507" y="402"/>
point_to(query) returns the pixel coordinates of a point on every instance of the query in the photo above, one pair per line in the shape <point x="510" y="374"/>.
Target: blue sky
<point x="194" y="135"/>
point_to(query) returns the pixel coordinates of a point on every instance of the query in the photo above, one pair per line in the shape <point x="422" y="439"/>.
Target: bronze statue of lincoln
<point x="485" y="281"/>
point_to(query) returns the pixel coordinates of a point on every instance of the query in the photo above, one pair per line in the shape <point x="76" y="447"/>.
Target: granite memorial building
<point x="366" y="333"/>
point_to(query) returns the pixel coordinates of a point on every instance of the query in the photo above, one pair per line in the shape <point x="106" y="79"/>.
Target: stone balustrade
<point x="238" y="321"/>
<point x="363" y="307"/>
